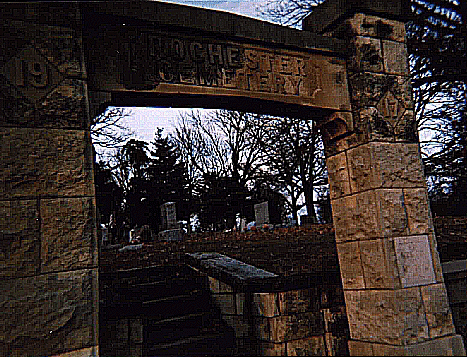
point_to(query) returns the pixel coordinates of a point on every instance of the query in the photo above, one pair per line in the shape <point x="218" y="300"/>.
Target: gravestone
<point x="168" y="216"/>
<point x="261" y="214"/>
<point x="170" y="229"/>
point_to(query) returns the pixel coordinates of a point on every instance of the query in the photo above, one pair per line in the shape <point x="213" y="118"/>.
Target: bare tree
<point x="295" y="160"/>
<point x="109" y="130"/>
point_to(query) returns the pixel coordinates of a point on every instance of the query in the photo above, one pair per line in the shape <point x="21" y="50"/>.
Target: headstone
<point x="171" y="235"/>
<point x="262" y="213"/>
<point x="168" y="216"/>
<point x="242" y="225"/>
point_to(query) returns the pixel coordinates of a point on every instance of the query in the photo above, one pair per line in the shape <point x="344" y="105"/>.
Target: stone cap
<point x="248" y="278"/>
<point x="211" y="21"/>
<point x="455" y="266"/>
<point x="235" y="268"/>
<point x="332" y="12"/>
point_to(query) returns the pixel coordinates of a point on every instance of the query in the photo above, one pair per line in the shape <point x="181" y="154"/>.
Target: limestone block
<point x="398" y="165"/>
<point x="53" y="162"/>
<point x="379" y="264"/>
<point x="270" y="349"/>
<point x="386" y="165"/>
<point x="367" y="56"/>
<point x="392" y="212"/>
<point x="386" y="316"/>
<point x="63" y="48"/>
<point x="435" y="257"/>
<point x="362" y="173"/>
<point x="335" y="321"/>
<point x="350" y="264"/>
<point x="414" y="260"/>
<point x="447" y="346"/>
<point x="218" y="286"/>
<point x="298" y="301"/>
<point x="395" y="58"/>
<point x="68" y="234"/>
<point x="380" y="349"/>
<point x="49" y="314"/>
<point x="367" y="89"/>
<point x="19" y="238"/>
<point x="64" y="107"/>
<point x="438" y="313"/>
<point x="15" y="108"/>
<point x="418" y="211"/>
<point x="266" y="304"/>
<point x="313" y="346"/>
<point x="338" y="175"/>
<point x="355" y="217"/>
<point x="336" y="345"/>
<point x="286" y="328"/>
<point x="375" y="26"/>
<point x="225" y="302"/>
<point x="360" y="348"/>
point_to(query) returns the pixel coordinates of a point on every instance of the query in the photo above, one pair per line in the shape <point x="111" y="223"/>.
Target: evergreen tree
<point x="167" y="178"/>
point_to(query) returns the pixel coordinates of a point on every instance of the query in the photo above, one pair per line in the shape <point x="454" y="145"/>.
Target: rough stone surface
<point x="447" y="346"/>
<point x="68" y="234"/>
<point x="375" y="26"/>
<point x="386" y="316"/>
<point x="313" y="346"/>
<point x="435" y="257"/>
<point x="286" y="328"/>
<point x="361" y="170"/>
<point x="64" y="107"/>
<point x="360" y="348"/>
<point x="392" y="212"/>
<point x="19" y="238"/>
<point x="438" y="313"/>
<point x="399" y="165"/>
<point x="298" y="301"/>
<point x="385" y="165"/>
<point x="48" y="314"/>
<point x="414" y="260"/>
<point x="351" y="265"/>
<point x="225" y="303"/>
<point x="240" y="303"/>
<point x="395" y="57"/>
<point x="379" y="264"/>
<point x="266" y="304"/>
<point x="367" y="89"/>
<point x="338" y="175"/>
<point x="355" y="217"/>
<point x="53" y="162"/>
<point x="418" y="211"/>
<point x="270" y="348"/>
<point x="367" y="56"/>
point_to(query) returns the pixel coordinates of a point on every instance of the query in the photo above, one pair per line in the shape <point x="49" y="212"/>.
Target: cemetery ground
<point x="283" y="251"/>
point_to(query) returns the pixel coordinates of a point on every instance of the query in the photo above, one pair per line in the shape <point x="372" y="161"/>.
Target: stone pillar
<point x="395" y="296"/>
<point x="48" y="245"/>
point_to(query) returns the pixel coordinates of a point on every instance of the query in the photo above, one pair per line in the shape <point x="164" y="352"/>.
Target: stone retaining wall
<point x="269" y="316"/>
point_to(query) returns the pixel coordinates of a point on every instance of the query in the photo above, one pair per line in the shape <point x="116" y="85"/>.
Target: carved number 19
<point x="30" y="72"/>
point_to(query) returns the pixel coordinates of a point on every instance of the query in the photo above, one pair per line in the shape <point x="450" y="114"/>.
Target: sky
<point x="143" y="121"/>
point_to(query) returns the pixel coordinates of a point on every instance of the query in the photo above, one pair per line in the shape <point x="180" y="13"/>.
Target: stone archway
<point x="59" y="61"/>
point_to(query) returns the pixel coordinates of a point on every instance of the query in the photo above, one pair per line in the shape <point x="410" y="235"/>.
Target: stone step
<point x="214" y="344"/>
<point x="171" y="329"/>
<point x="197" y="301"/>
